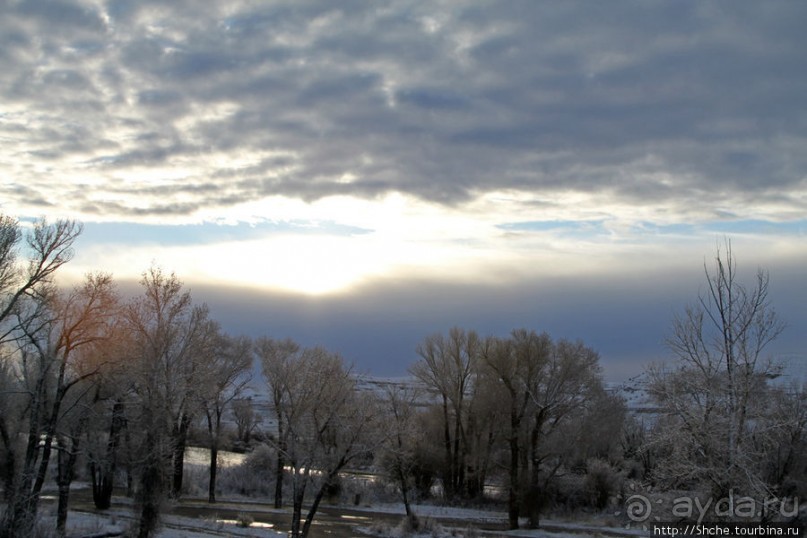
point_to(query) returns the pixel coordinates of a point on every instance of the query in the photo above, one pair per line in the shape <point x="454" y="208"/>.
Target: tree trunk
<point x="213" y="428"/>
<point x="279" y="480"/>
<point x="513" y="498"/>
<point x="130" y="478"/>
<point x="180" y="440"/>
<point x="50" y="431"/>
<point x="535" y="493"/>
<point x="61" y="511"/>
<point x="279" y="468"/>
<point x="103" y="485"/>
<point x="150" y="493"/>
<point x="457" y="467"/>
<point x="485" y="466"/>
<point x="281" y="450"/>
<point x="297" y="512"/>
<point x="448" y="471"/>
<point x="152" y="475"/>
<point x="214" y="459"/>
<point x="534" y="504"/>
<point x="10" y="464"/>
<point x="314" y="507"/>
<point x="404" y="490"/>
<point x="21" y="511"/>
<point x="67" y="463"/>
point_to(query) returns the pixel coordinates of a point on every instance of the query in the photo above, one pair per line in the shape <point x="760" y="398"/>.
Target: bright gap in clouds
<point x="324" y="247"/>
<point x="336" y="244"/>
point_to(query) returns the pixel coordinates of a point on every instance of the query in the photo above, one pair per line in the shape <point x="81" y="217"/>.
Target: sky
<point x="360" y="175"/>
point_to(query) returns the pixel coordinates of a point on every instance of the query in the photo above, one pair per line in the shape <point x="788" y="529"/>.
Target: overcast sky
<point x="363" y="174"/>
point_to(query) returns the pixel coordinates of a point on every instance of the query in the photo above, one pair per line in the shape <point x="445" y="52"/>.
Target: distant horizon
<point x="348" y="324"/>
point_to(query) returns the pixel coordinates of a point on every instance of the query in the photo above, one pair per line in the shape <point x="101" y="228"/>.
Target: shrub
<point x="253" y="478"/>
<point x="601" y="484"/>
<point x="195" y="480"/>
<point x="415" y="525"/>
<point x="244" y="520"/>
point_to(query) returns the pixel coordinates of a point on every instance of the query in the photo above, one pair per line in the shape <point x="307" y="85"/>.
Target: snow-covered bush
<point x="244" y="520"/>
<point x="253" y="478"/>
<point x="602" y="483"/>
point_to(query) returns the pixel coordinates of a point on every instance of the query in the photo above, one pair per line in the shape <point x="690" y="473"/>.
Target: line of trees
<point x="122" y="382"/>
<point x="81" y="369"/>
<point x="86" y="375"/>
<point x="524" y="410"/>
<point x="515" y="411"/>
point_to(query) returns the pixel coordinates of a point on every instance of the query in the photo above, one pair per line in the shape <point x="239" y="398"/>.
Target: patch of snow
<point x="201" y="456"/>
<point x="86" y="523"/>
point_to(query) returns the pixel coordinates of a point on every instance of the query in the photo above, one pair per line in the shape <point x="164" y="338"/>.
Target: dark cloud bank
<point x="625" y="317"/>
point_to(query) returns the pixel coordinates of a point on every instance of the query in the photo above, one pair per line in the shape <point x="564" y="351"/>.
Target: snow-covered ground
<point x="367" y="519"/>
<point x="201" y="457"/>
<point x="86" y="524"/>
<point x="89" y="524"/>
<point x="474" y="517"/>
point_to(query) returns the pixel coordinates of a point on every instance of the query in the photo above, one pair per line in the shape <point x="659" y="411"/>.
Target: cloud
<point x="698" y="107"/>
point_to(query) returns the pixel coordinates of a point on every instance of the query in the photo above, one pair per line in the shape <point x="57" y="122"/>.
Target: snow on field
<point x="84" y="524"/>
<point x="438" y="512"/>
<point x="201" y="456"/>
<point x="444" y="525"/>
<point x="475" y="517"/>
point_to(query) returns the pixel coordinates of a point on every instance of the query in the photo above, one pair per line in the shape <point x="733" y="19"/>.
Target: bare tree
<point x="107" y="428"/>
<point x="785" y="444"/>
<point x="486" y="425"/>
<point x="331" y="428"/>
<point x="246" y="419"/>
<point x="228" y="374"/>
<point x="279" y="360"/>
<point x="88" y="317"/>
<point x="324" y="421"/>
<point x="398" y="455"/>
<point x="11" y="421"/>
<point x="545" y="388"/>
<point x="566" y="390"/>
<point x="713" y="394"/>
<point x="54" y="335"/>
<point x="171" y="341"/>
<point x="518" y="363"/>
<point x="47" y="247"/>
<point x="447" y="367"/>
<point x="534" y="394"/>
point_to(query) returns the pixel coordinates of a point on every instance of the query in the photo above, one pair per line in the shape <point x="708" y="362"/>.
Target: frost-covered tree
<point x="398" y="454"/>
<point x="246" y="419"/>
<point x="28" y="263"/>
<point x="714" y="394"/>
<point x="227" y="376"/>
<point x="447" y="367"/>
<point x="326" y="423"/>
<point x="567" y="389"/>
<point x="517" y="364"/>
<point x="278" y="360"/>
<point x="171" y="342"/>
<point x="39" y="334"/>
